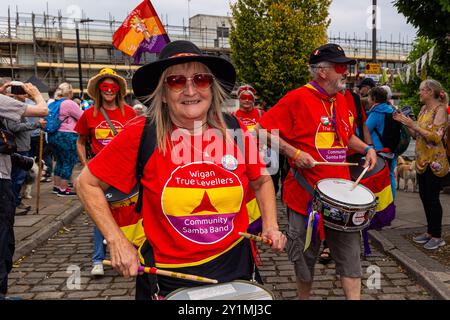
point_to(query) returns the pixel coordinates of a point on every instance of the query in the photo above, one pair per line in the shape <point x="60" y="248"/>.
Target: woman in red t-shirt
<point x="193" y="199"/>
<point x="107" y="89"/>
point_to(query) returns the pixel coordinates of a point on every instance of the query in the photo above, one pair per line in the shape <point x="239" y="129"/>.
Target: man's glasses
<point x="105" y="86"/>
<point x="201" y="81"/>
<point x="340" y="68"/>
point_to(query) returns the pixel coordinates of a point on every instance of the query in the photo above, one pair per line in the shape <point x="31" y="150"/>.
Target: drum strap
<point x="302" y="181"/>
<point x="147" y="145"/>
<point x="108" y="120"/>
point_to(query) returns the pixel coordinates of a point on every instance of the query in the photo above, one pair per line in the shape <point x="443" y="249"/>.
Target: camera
<point x="16" y="88"/>
<point x="23" y="162"/>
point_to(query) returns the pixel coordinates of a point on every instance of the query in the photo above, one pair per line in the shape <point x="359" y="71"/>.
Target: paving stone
<point x="397" y="276"/>
<point x="42" y="288"/>
<point x="18" y="289"/>
<point x="83" y="294"/>
<point x="391" y="297"/>
<point x="49" y="296"/>
<point x="115" y="292"/>
<point x="393" y="289"/>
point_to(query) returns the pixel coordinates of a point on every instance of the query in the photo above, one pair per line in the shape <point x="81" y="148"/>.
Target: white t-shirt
<point x="10" y="109"/>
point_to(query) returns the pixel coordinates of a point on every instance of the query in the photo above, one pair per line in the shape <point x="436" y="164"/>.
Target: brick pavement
<point x="46" y="272"/>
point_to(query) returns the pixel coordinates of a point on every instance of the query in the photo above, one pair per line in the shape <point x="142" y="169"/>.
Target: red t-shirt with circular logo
<point x="97" y="127"/>
<point x="304" y="122"/>
<point x="194" y="195"/>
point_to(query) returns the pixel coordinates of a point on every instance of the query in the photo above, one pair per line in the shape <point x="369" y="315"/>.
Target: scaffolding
<point x="45" y="46"/>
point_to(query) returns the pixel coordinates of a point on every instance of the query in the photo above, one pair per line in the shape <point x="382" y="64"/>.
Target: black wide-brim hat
<point x="146" y="78"/>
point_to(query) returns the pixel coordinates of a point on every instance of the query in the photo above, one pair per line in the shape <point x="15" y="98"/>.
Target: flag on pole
<point x="141" y="32"/>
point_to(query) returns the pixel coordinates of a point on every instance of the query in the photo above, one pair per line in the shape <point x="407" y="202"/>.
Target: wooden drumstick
<point x="255" y="238"/>
<point x="178" y="275"/>
<point x="342" y="164"/>
<point x="359" y="178"/>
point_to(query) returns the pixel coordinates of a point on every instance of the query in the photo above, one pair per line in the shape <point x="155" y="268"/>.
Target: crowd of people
<point x="196" y="167"/>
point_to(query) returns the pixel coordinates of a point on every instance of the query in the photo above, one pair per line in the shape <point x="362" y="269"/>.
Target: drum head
<point x="114" y="195"/>
<point x="236" y="290"/>
<point x="355" y="171"/>
<point x="339" y="190"/>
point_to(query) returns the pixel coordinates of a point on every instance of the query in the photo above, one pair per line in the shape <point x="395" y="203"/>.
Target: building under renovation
<point x="46" y="47"/>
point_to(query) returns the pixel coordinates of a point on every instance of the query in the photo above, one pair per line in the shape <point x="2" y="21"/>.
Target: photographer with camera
<point x="11" y="109"/>
<point x="21" y="162"/>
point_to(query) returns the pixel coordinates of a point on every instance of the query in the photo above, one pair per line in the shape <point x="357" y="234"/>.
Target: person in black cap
<point x="365" y="85"/>
<point x="193" y="185"/>
<point x="313" y="124"/>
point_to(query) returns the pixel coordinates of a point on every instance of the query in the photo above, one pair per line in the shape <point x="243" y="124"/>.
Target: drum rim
<point x="221" y="283"/>
<point x="337" y="202"/>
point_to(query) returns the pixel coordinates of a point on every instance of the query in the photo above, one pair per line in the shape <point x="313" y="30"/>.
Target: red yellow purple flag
<point x="142" y="31"/>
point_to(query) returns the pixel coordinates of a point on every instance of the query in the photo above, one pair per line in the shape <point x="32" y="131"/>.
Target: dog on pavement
<point x="406" y="170"/>
<point x="30" y="179"/>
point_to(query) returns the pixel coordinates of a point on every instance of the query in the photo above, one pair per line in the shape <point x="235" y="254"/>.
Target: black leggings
<point x="430" y="187"/>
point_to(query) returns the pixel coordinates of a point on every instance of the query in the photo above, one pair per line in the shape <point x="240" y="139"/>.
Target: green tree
<point x="271" y="41"/>
<point x="432" y="20"/>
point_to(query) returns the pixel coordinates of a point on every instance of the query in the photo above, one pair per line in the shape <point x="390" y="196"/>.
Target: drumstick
<point x="335" y="164"/>
<point x="152" y="270"/>
<point x="359" y="178"/>
<point x="255" y="238"/>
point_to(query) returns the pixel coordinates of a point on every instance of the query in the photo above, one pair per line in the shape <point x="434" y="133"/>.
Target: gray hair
<point x="64" y="90"/>
<point x="314" y="68"/>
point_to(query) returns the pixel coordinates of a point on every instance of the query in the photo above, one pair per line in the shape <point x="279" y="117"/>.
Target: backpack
<point x="53" y="122"/>
<point x="395" y="136"/>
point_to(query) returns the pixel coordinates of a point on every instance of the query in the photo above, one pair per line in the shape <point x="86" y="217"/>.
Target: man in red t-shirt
<point x="313" y="124"/>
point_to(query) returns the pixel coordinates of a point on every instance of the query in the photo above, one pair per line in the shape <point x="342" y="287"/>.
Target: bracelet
<point x="366" y="149"/>
<point x="297" y="153"/>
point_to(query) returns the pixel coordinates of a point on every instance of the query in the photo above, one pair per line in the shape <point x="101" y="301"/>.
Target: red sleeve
<point x="81" y="126"/>
<point x="280" y="117"/>
<point x="255" y="166"/>
<point x="115" y="164"/>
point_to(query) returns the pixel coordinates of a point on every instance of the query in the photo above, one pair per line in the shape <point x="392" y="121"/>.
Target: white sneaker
<point x="97" y="270"/>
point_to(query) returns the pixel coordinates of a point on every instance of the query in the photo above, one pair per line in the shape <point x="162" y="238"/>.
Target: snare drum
<point x="342" y="209"/>
<point x="117" y="199"/>
<point x="235" y="290"/>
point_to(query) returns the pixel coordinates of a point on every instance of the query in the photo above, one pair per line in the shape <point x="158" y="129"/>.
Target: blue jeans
<point x="99" y="247"/>
<point x="18" y="176"/>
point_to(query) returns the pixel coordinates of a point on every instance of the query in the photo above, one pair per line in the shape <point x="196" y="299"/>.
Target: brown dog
<point x="406" y="170"/>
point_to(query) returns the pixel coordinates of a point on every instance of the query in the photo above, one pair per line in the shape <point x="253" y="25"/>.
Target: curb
<point x="65" y="218"/>
<point x="438" y="289"/>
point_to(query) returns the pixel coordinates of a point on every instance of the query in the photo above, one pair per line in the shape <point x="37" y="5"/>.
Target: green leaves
<point x="271" y="41"/>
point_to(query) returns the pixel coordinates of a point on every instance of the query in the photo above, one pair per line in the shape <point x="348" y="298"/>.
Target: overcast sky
<point x="349" y="17"/>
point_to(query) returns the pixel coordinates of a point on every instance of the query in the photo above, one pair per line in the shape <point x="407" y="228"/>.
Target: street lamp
<point x="80" y="74"/>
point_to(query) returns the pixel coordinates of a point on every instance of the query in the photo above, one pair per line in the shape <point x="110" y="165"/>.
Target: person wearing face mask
<point x="98" y="126"/>
<point x="313" y="126"/>
<point x="247" y="112"/>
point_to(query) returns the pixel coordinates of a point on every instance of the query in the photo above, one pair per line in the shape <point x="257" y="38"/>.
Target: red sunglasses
<point x="201" y="81"/>
<point x="105" y="86"/>
<point x="246" y="97"/>
<point x="340" y="68"/>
